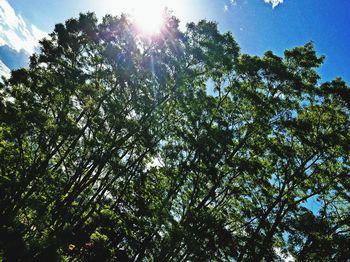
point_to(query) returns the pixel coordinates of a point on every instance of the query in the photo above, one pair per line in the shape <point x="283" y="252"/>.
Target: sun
<point x="148" y="15"/>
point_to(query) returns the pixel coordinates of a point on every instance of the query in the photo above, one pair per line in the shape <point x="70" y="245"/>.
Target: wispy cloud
<point x="4" y="70"/>
<point x="15" y="32"/>
<point x="274" y="3"/>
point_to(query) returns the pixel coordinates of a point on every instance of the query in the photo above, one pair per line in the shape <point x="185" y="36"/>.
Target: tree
<point x="117" y="146"/>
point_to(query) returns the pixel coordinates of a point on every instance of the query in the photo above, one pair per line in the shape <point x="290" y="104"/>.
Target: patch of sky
<point x="210" y="87"/>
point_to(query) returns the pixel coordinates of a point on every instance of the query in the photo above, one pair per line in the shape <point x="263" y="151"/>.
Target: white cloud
<point x="155" y="163"/>
<point x="15" y="32"/>
<point x="274" y="3"/>
<point x="285" y="257"/>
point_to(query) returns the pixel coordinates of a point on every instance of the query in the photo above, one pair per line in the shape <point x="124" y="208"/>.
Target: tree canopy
<point x="116" y="146"/>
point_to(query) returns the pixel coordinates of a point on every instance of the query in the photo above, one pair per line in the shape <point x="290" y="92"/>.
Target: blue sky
<point x="256" y="26"/>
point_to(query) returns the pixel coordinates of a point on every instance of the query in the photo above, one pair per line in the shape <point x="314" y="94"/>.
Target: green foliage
<point x="112" y="149"/>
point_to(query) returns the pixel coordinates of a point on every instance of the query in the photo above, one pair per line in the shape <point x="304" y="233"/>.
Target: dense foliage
<point x="117" y="146"/>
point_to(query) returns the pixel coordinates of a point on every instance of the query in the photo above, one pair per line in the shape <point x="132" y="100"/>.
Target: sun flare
<point x="148" y="16"/>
